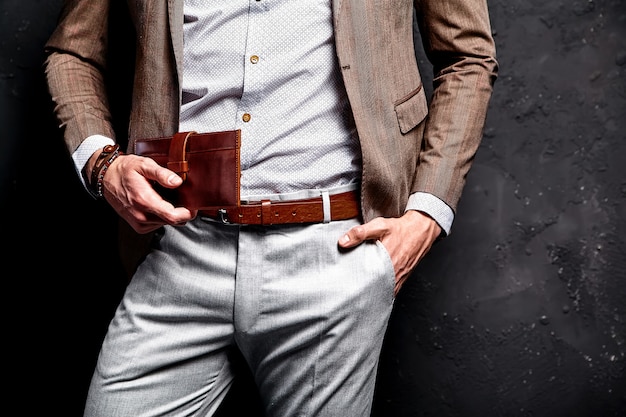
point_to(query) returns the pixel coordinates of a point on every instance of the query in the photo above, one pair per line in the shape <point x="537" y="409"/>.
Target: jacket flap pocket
<point x="411" y="110"/>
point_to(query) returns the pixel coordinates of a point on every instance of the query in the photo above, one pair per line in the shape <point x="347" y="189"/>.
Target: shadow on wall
<point x="520" y="312"/>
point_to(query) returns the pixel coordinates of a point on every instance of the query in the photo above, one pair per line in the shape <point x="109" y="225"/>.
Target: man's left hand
<point x="407" y="239"/>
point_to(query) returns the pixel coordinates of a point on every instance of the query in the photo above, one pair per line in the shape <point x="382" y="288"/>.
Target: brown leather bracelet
<point x="107" y="156"/>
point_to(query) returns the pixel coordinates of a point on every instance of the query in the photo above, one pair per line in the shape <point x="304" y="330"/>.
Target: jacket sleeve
<point x="458" y="42"/>
<point x="75" y="70"/>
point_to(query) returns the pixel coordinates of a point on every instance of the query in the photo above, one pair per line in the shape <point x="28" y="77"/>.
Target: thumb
<point x="173" y="180"/>
<point x="167" y="178"/>
<point x="353" y="237"/>
<point x="152" y="171"/>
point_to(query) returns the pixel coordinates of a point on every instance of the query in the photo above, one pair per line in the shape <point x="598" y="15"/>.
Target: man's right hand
<point x="127" y="187"/>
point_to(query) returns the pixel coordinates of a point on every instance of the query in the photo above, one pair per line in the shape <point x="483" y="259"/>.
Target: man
<point x="329" y="101"/>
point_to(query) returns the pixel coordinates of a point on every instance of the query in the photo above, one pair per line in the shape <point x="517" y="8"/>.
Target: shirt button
<point x="254" y="59"/>
<point x="246" y="117"/>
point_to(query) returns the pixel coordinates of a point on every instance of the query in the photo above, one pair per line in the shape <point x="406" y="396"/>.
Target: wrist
<point x="94" y="176"/>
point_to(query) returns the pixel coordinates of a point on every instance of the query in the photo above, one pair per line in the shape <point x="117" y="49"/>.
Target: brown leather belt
<point x="342" y="206"/>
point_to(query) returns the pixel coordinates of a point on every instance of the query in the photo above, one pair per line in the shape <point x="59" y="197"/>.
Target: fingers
<point x="151" y="222"/>
<point x="128" y="188"/>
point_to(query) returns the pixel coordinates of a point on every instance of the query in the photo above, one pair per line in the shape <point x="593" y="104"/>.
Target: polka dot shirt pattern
<point x="268" y="67"/>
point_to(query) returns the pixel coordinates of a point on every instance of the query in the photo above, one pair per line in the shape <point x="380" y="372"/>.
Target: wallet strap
<point x="178" y="154"/>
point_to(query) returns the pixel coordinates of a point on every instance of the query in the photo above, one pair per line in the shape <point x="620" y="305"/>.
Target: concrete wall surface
<point x="521" y="311"/>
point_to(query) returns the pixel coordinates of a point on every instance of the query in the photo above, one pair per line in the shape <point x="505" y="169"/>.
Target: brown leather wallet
<point x="208" y="163"/>
<point x="342" y="206"/>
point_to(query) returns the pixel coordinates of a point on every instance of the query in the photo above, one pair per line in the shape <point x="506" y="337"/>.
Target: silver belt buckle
<point x="223" y="216"/>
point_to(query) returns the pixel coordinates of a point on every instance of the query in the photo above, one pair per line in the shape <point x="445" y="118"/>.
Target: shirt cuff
<point x="86" y="149"/>
<point x="434" y="207"/>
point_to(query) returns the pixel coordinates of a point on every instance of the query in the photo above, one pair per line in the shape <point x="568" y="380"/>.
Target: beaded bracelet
<point x="105" y="159"/>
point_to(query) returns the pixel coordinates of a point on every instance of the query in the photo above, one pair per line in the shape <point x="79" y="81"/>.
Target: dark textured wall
<point x="520" y="312"/>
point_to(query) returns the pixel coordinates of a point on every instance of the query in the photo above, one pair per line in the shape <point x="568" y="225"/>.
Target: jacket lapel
<point x="336" y="7"/>
<point x="175" y="17"/>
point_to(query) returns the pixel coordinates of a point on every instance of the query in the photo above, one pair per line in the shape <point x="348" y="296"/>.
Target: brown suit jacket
<point x="407" y="146"/>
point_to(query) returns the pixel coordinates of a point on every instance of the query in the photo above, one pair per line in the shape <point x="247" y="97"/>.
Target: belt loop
<point x="266" y="212"/>
<point x="326" y="206"/>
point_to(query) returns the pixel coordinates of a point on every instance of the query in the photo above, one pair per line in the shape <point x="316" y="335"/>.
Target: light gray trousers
<point x="308" y="318"/>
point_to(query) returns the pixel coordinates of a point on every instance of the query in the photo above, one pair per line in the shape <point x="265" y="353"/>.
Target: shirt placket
<point x="248" y="110"/>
